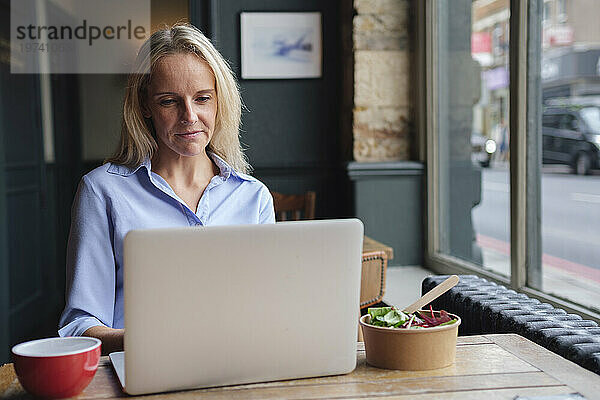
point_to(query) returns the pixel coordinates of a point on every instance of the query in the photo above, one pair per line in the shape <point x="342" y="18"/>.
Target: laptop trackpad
<point x="118" y="361"/>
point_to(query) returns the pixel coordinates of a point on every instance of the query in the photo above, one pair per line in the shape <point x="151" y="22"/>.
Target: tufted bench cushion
<point x="486" y="307"/>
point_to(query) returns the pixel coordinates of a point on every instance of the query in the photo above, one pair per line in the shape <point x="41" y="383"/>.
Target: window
<point x="529" y="216"/>
<point x="561" y="11"/>
<point x="550" y="121"/>
<point x="567" y="121"/>
<point x="591" y="116"/>
<point x="570" y="189"/>
<point x="546" y="17"/>
<point x="472" y="97"/>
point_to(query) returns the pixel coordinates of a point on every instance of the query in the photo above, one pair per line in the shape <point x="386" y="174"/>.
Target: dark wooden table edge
<point x="580" y="379"/>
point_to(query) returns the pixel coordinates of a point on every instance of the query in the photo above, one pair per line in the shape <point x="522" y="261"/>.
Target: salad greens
<point x="391" y="317"/>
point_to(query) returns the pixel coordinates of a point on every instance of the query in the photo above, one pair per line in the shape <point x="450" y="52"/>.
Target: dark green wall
<point x="4" y="287"/>
<point x="292" y="127"/>
<point x="389" y="201"/>
<point x="27" y="299"/>
<point x="35" y="200"/>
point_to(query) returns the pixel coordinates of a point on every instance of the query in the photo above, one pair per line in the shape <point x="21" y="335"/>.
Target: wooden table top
<point x="487" y="367"/>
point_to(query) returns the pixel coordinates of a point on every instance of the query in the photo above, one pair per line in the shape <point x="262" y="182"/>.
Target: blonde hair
<point x="137" y="140"/>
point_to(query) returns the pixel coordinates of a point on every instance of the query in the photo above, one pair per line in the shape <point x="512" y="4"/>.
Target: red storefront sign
<point x="481" y="42"/>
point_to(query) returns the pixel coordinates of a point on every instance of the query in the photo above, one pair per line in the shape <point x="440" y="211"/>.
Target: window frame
<point x="561" y="14"/>
<point x="525" y="174"/>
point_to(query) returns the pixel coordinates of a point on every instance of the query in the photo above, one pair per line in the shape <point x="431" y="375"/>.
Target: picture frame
<point x="281" y="45"/>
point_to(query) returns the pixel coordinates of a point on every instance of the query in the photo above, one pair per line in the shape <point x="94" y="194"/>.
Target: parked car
<point x="571" y="136"/>
<point x="482" y="149"/>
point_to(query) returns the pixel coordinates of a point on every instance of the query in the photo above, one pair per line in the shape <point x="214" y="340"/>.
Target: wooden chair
<point x="372" y="281"/>
<point x="372" y="287"/>
<point x="294" y="207"/>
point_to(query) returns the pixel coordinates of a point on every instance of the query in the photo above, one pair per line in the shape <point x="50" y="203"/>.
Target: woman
<point x="179" y="163"/>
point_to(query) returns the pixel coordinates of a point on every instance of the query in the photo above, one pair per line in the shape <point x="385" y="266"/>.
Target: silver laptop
<point x="225" y="305"/>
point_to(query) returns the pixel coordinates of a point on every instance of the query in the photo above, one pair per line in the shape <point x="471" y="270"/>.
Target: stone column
<point x="382" y="117"/>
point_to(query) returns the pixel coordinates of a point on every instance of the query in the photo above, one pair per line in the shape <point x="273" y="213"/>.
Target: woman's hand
<point x="112" y="339"/>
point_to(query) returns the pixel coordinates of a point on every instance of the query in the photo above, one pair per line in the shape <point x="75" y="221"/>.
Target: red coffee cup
<point x="56" y="367"/>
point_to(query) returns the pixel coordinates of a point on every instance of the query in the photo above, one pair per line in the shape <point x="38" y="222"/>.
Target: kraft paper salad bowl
<point x="414" y="348"/>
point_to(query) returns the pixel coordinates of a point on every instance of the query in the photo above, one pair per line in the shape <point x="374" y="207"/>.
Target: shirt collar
<point x="225" y="170"/>
<point x="123" y="170"/>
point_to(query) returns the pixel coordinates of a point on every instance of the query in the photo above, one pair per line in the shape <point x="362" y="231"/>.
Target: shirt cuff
<point x="79" y="326"/>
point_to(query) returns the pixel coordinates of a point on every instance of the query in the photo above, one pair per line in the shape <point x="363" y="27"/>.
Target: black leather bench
<point x="486" y="307"/>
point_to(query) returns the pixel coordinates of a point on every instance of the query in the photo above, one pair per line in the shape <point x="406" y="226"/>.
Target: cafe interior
<point x="380" y="127"/>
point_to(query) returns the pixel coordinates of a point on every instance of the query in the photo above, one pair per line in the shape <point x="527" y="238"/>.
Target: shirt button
<point x="198" y="223"/>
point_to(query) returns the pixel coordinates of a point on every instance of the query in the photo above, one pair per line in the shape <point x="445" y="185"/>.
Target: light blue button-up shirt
<point x="112" y="200"/>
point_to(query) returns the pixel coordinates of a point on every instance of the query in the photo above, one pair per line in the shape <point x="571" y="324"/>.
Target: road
<point x="570" y="214"/>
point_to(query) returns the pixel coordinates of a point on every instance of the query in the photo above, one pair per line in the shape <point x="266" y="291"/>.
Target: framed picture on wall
<point x="281" y="45"/>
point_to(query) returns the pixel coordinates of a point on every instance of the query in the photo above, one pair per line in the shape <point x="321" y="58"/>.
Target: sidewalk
<point x="403" y="284"/>
<point x="557" y="281"/>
